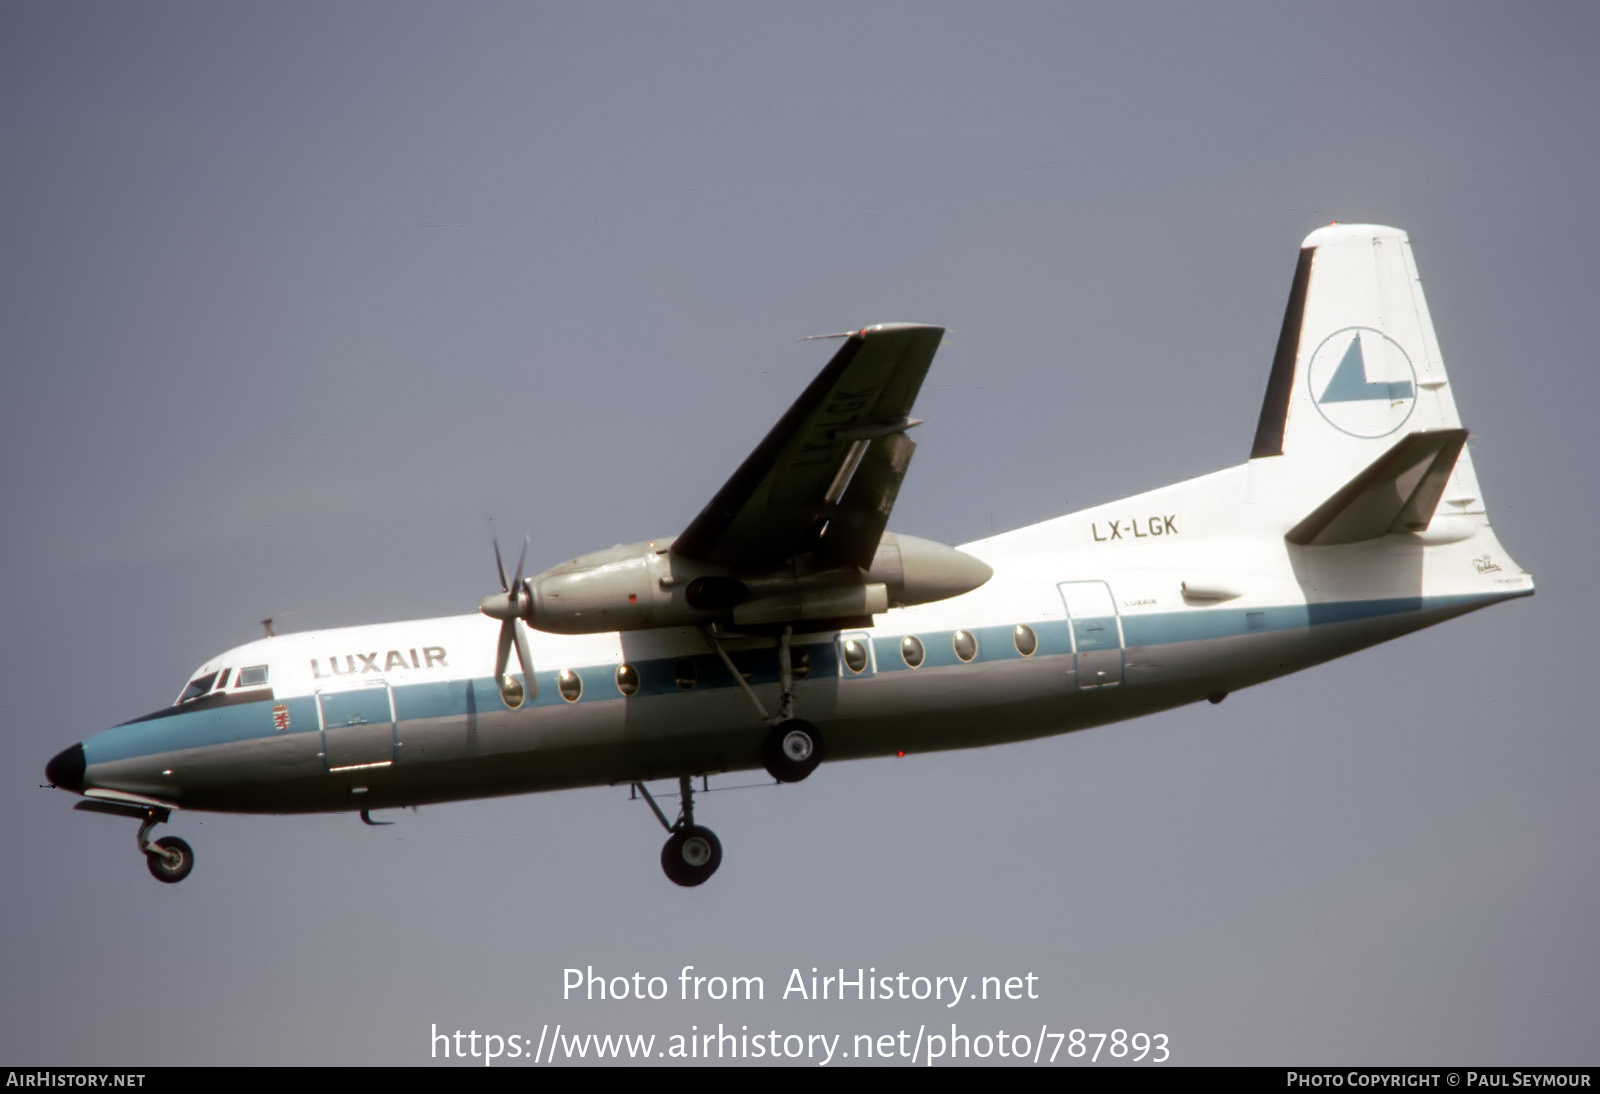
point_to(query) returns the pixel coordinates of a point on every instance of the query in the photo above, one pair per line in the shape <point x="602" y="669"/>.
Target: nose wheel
<point x="169" y="859"/>
<point x="692" y="853"/>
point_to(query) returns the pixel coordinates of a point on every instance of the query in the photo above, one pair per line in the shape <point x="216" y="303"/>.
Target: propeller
<point x="508" y="606"/>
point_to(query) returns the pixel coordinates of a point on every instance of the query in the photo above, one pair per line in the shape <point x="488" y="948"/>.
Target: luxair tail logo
<point x="1362" y="382"/>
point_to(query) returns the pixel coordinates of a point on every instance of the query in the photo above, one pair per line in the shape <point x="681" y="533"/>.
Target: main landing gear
<point x="692" y="853"/>
<point x="792" y="748"/>
<point x="170" y="859"/>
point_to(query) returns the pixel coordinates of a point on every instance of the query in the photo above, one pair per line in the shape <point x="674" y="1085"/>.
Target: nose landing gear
<point x="169" y="859"/>
<point x="692" y="853"/>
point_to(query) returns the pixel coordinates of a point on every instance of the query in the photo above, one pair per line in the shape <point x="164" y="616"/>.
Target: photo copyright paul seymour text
<point x="1472" y="1080"/>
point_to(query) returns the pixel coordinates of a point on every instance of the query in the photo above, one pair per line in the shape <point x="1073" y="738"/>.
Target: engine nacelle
<point x="825" y="602"/>
<point x="639" y="585"/>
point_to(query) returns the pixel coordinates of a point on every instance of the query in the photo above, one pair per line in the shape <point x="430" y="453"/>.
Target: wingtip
<point x="876" y="328"/>
<point x="898" y="328"/>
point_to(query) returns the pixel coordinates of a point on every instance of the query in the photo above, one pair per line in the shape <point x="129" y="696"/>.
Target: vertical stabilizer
<point x="1358" y="366"/>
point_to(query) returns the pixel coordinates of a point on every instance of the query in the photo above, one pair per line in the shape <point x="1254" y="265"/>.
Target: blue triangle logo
<point x="1350" y="383"/>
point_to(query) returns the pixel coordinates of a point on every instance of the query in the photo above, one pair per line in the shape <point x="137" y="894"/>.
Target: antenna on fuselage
<point x="269" y="623"/>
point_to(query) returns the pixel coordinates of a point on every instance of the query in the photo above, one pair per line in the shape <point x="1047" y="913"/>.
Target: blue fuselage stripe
<point x="459" y="698"/>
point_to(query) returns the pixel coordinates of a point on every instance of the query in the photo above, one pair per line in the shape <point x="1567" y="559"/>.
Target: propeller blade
<point x="517" y="581"/>
<point x="504" y="653"/>
<point x="506" y="607"/>
<point x="500" y="565"/>
<point x="525" y="657"/>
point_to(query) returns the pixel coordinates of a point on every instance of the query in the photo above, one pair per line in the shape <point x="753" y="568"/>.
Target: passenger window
<point x="252" y="677"/>
<point x="911" y="650"/>
<point x="569" y="685"/>
<point x="855" y="654"/>
<point x="966" y="645"/>
<point x="683" y="669"/>
<point x="512" y="692"/>
<point x="799" y="663"/>
<point x="627" y="679"/>
<point x="1026" y="641"/>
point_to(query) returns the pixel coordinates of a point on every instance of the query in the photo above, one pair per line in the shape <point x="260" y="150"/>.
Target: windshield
<point x="253" y="676"/>
<point x="197" y="687"/>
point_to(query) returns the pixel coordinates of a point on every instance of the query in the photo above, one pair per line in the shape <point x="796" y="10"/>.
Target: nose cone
<point x="66" y="770"/>
<point x="500" y="606"/>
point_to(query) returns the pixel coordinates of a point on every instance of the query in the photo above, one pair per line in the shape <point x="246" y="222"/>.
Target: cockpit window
<point x="222" y="681"/>
<point x="251" y="677"/>
<point x="197" y="687"/>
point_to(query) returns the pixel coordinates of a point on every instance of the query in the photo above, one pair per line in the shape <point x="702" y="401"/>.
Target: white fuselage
<point x="1167" y="598"/>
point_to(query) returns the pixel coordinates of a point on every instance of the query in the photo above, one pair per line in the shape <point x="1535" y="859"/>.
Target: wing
<point x="825" y="479"/>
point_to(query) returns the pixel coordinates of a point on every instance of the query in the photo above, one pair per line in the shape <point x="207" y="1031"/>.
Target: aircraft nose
<point x="66" y="770"/>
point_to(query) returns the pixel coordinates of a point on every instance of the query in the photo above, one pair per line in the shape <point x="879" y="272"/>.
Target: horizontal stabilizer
<point x="1397" y="493"/>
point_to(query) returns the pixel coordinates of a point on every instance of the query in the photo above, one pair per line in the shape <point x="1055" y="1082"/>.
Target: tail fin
<point x="1358" y="366"/>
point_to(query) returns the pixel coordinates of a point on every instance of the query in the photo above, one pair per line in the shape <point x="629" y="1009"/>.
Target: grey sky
<point x="296" y="296"/>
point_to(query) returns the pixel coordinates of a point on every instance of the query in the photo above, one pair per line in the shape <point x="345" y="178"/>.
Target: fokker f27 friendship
<point x="785" y="625"/>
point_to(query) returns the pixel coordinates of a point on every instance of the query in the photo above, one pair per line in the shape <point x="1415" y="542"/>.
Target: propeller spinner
<point x="508" y="606"/>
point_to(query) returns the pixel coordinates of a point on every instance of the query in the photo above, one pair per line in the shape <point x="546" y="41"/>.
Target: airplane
<point x="786" y="625"/>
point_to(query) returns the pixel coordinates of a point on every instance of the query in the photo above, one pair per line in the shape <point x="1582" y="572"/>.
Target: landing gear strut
<point x="170" y="859"/>
<point x="692" y="853"/>
<point x="792" y="749"/>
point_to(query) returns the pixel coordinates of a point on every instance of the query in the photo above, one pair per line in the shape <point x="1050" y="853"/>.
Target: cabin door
<point x="1096" y="633"/>
<point x="357" y="727"/>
